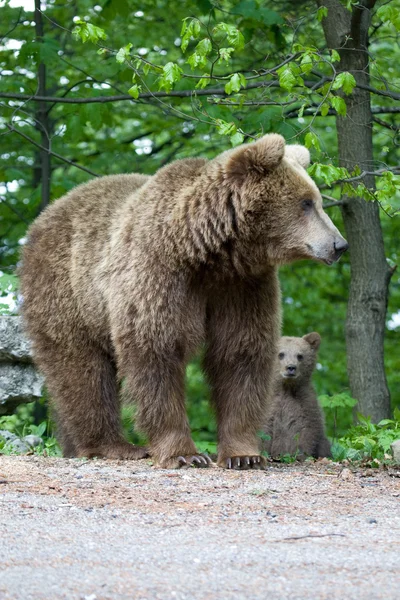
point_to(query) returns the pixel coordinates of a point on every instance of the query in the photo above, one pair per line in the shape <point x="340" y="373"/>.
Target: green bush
<point x="367" y="441"/>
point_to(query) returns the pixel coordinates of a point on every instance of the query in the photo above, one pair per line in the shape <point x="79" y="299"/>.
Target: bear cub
<point x="294" y="419"/>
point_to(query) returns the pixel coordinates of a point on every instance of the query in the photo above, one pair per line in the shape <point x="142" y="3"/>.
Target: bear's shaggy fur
<point x="126" y="276"/>
<point x="294" y="419"/>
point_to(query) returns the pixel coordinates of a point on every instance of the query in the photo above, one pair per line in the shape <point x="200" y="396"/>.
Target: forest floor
<point x="109" y="530"/>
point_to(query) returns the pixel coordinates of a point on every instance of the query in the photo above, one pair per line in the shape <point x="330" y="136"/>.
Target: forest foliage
<point x="135" y="85"/>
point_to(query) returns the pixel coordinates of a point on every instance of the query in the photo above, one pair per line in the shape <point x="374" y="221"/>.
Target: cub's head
<point x="296" y="358"/>
<point x="278" y="205"/>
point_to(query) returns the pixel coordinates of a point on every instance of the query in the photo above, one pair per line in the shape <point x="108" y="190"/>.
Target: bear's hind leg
<point x="83" y="387"/>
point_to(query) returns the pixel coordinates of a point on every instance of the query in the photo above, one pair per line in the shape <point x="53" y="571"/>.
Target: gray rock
<point x="19" y="383"/>
<point x="7" y="435"/>
<point x="14" y="345"/>
<point x="396" y="451"/>
<point x="32" y="440"/>
<point x="14" y="443"/>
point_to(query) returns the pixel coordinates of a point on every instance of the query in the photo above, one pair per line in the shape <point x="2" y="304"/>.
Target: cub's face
<point x="282" y="206"/>
<point x="296" y="357"/>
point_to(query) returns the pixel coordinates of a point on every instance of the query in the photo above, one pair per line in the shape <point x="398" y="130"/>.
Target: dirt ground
<point x="99" y="530"/>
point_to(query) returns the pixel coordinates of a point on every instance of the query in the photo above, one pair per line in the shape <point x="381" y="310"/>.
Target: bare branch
<point x="55" y="154"/>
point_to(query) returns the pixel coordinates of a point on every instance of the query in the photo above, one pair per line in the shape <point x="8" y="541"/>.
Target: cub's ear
<point x="299" y="154"/>
<point x="314" y="339"/>
<point x="257" y="158"/>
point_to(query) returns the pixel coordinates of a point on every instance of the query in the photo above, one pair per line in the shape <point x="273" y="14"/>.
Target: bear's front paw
<point x="242" y="462"/>
<point x="190" y="460"/>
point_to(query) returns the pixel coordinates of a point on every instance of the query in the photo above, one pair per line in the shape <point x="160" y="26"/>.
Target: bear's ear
<point x="298" y="154"/>
<point x="314" y="339"/>
<point x="258" y="158"/>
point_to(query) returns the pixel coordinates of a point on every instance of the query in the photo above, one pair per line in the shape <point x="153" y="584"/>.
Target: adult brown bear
<point x="126" y="276"/>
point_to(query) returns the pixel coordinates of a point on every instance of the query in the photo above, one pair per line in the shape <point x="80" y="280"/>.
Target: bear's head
<point x="278" y="206"/>
<point x="297" y="357"/>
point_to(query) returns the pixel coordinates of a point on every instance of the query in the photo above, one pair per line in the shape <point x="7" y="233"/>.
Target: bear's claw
<point x="190" y="460"/>
<point x="244" y="462"/>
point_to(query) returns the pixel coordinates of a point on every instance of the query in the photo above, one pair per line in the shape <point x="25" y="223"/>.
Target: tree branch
<point x="55" y="154"/>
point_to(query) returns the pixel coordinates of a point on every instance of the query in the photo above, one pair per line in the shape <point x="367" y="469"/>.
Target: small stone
<point x="346" y="474"/>
<point x="32" y="440"/>
<point x="372" y="521"/>
<point x="7" y="435"/>
<point x="396" y="451"/>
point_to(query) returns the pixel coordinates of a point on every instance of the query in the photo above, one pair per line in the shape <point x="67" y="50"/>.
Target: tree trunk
<point x="42" y="119"/>
<point x="347" y="32"/>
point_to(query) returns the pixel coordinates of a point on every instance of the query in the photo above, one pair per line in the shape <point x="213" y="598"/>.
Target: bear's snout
<point x="290" y="371"/>
<point x="340" y="247"/>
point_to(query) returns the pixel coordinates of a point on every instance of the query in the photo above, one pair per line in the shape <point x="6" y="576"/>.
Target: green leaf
<point x="225" y="128"/>
<point x="339" y="105"/>
<point x="237" y="138"/>
<point x="287" y="80"/>
<point x="123" y="53"/>
<point x="236" y="82"/>
<point x="134" y="91"/>
<point x="389" y="14"/>
<point x="335" y="56"/>
<point x="204" y="47"/>
<point x="322" y="12"/>
<point x="199" y="58"/>
<point x="190" y="30"/>
<point x="171" y="74"/>
<point x="203" y="82"/>
<point x="301" y="110"/>
<point x="225" y="54"/>
<point x="344" y="81"/>
<point x="306" y="63"/>
<point x="324" y="109"/>
<point x="311" y="140"/>
<point x="233" y="35"/>
<point x="88" y="32"/>
<point x="327" y="172"/>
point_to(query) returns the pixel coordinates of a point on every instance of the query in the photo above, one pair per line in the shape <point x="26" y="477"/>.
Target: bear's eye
<point x="307" y="204"/>
<point x="281" y="355"/>
<point x="299" y="357"/>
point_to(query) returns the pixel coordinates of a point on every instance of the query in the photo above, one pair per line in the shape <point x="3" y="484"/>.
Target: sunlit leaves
<point x="134" y="91"/>
<point x="171" y="74"/>
<point x="335" y="56"/>
<point x="225" y="128"/>
<point x="229" y="32"/>
<point x="311" y="141"/>
<point x="339" y="105"/>
<point x="390" y="14"/>
<point x="337" y="401"/>
<point x="88" y="32"/>
<point x="225" y="54"/>
<point x="190" y="30"/>
<point x="123" y="53"/>
<point x="327" y="173"/>
<point x="237" y="138"/>
<point x="235" y="83"/>
<point x="289" y="76"/>
<point x="322" y="12"/>
<point x="344" y="81"/>
<point x="199" y="57"/>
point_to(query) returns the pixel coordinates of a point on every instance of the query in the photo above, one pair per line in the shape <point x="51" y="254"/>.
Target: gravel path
<point x="100" y="530"/>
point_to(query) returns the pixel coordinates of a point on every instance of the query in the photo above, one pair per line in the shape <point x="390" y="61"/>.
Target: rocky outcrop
<point x="19" y="380"/>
